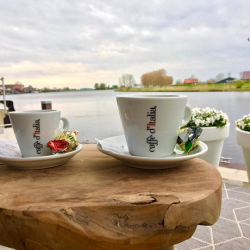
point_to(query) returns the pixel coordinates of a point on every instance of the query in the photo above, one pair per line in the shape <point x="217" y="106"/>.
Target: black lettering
<point x="37" y="137"/>
<point x="153" y="109"/>
<point x="152" y="130"/>
<point x="151" y="140"/>
<point x="153" y="119"/>
<point x="38" y="146"/>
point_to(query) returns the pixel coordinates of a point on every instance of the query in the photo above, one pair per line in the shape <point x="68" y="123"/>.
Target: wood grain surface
<point x="95" y="202"/>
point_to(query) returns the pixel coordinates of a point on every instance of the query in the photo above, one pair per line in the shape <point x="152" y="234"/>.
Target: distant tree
<point x="156" y="78"/>
<point x="126" y="80"/>
<point x="178" y="81"/>
<point x="210" y="81"/>
<point x="29" y="88"/>
<point x="46" y="89"/>
<point x="65" y="89"/>
<point x="102" y="86"/>
<point x="114" y="86"/>
<point x="97" y="86"/>
<point x="18" y="83"/>
<point x="220" y="77"/>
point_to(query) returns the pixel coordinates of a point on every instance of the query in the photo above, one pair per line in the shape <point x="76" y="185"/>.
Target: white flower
<point x="197" y="122"/>
<point x="208" y="117"/>
<point x="208" y="110"/>
<point x="244" y="123"/>
<point x="202" y="122"/>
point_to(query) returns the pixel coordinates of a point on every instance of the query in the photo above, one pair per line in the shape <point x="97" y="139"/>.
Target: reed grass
<point x="190" y="88"/>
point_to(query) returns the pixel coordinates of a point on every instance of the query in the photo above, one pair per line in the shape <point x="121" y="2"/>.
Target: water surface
<point x="95" y="115"/>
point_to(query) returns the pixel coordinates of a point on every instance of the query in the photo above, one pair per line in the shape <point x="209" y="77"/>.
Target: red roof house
<point x="191" y="81"/>
<point x="246" y="75"/>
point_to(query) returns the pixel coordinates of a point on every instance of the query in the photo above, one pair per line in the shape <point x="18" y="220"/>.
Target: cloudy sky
<point x="76" y="43"/>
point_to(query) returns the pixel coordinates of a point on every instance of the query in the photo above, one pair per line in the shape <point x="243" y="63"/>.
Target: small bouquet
<point x="65" y="142"/>
<point x="244" y="123"/>
<point x="207" y="117"/>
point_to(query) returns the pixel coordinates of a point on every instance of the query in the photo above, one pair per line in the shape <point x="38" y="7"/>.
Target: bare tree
<point x="126" y="80"/>
<point x="29" y="88"/>
<point x="156" y="78"/>
<point x="220" y="77"/>
<point x="210" y="81"/>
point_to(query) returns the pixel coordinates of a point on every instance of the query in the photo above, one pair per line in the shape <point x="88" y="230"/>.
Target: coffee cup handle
<point x="187" y="117"/>
<point x="65" y="124"/>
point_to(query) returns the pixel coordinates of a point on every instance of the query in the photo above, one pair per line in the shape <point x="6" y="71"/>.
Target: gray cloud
<point x="202" y="38"/>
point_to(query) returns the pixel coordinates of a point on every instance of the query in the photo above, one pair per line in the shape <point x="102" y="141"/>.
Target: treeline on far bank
<point x="238" y="85"/>
<point x="103" y="86"/>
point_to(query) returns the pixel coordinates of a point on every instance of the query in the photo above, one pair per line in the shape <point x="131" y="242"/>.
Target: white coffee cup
<point x="35" y="128"/>
<point x="151" y="122"/>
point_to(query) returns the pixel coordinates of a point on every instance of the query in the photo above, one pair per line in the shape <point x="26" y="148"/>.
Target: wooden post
<point x="4" y="101"/>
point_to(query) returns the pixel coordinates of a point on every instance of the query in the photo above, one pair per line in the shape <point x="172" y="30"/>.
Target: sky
<point x="77" y="43"/>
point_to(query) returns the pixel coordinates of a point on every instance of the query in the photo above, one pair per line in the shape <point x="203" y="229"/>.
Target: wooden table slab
<point x="95" y="202"/>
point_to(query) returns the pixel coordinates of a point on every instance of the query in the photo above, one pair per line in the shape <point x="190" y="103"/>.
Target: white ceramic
<point x="39" y="162"/>
<point x="34" y="129"/>
<point x="151" y="122"/>
<point x="150" y="162"/>
<point x="214" y="138"/>
<point x="243" y="139"/>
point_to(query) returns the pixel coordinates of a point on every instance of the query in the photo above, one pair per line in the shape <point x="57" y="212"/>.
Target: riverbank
<point x="232" y="87"/>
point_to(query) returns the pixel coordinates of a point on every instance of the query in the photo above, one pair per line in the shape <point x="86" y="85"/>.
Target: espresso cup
<point x="35" y="128"/>
<point x="151" y="122"/>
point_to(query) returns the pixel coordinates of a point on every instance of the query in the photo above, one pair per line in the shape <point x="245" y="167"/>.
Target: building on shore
<point x="227" y="80"/>
<point x="245" y="76"/>
<point x="191" y="81"/>
<point x="13" y="88"/>
<point x="18" y="88"/>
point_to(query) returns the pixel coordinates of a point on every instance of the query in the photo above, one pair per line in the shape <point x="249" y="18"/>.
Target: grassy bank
<point x="242" y="86"/>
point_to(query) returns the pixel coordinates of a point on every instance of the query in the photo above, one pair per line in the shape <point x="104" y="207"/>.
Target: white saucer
<point x="39" y="162"/>
<point x="148" y="162"/>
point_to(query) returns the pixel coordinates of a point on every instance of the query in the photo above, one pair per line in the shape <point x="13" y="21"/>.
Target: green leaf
<point x="188" y="145"/>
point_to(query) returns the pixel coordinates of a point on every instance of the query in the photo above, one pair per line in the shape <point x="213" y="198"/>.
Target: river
<point x="95" y="115"/>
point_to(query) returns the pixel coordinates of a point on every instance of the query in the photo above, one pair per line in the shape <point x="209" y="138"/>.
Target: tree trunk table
<point x="94" y="202"/>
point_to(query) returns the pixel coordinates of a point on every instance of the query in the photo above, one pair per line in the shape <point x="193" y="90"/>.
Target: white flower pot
<point x="243" y="139"/>
<point x="214" y="138"/>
